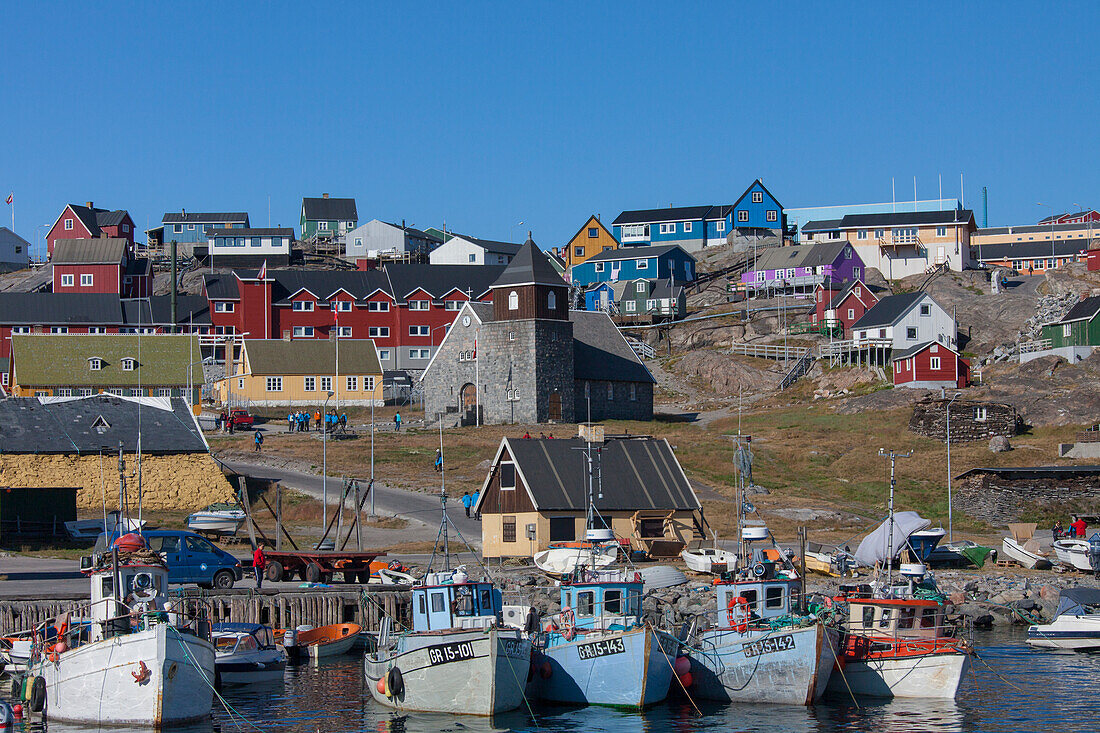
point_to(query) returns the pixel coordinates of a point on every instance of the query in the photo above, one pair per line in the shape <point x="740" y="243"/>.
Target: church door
<point x="555" y="406"/>
<point x="468" y="404"/>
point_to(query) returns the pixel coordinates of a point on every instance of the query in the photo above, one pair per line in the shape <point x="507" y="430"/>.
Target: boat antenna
<point x="742" y="461"/>
<point x="123" y="505"/>
<point x="893" y="456"/>
<point x="103" y="489"/>
<point x="443" y="503"/>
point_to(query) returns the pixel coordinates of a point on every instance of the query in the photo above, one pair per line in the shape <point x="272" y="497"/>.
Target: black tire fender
<point x="395" y="682"/>
<point x="37" y="700"/>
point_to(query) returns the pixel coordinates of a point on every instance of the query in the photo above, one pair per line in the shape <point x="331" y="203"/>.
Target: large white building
<point x="906" y="320"/>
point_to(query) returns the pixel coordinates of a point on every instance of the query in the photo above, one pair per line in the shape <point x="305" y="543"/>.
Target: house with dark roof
<point x="124" y="365"/>
<point x="465" y="250"/>
<point x="638" y="301"/>
<point x="188" y="228"/>
<point x="801" y="268"/>
<point x="656" y="262"/>
<point x="840" y="305"/>
<point x="696" y="227"/>
<point x="535" y="492"/>
<point x="327" y="219"/>
<point x="15" y="252"/>
<point x="378" y="239"/>
<point x="526" y="358"/>
<point x="906" y="320"/>
<point x="930" y="365"/>
<point x="89" y="222"/>
<point x="1079" y="327"/>
<point x="101" y="265"/>
<point x="899" y="244"/>
<point x="591" y="239"/>
<point x="278" y="373"/>
<point x="249" y="247"/>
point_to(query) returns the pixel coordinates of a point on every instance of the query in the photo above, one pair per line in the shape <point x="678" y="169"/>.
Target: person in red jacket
<point x="1079" y="527"/>
<point x="259" y="562"/>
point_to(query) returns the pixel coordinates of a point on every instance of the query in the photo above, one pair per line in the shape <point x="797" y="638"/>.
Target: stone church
<point x="527" y="358"/>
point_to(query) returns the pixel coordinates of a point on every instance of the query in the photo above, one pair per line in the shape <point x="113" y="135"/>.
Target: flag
<point x="11" y="197"/>
<point x="260" y="275"/>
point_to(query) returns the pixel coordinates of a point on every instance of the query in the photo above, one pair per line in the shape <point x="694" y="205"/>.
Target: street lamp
<point x="950" y="527"/>
<point x="1053" y="256"/>
<point x="513" y="229"/>
<point x="324" y="464"/>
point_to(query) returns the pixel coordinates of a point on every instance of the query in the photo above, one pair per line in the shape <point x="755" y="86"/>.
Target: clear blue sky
<point x="486" y="115"/>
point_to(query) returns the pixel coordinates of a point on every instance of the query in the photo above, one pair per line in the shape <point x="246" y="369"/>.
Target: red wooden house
<point x="842" y="306"/>
<point x="931" y="365"/>
<point x="88" y="222"/>
<point x="102" y="265"/>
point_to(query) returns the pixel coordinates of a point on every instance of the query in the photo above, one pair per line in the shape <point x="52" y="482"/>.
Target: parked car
<point x="190" y="558"/>
<point x="241" y="419"/>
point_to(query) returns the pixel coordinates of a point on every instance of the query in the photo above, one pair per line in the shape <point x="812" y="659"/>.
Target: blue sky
<point x="485" y="115"/>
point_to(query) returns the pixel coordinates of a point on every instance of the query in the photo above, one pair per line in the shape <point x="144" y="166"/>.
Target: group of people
<point x="299" y="422"/>
<point x="543" y="436"/>
<point x="469" y="502"/>
<point x="1078" y="529"/>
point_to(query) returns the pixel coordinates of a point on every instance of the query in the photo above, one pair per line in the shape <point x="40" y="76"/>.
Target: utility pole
<point x="893" y="456"/>
<point x="950" y="528"/>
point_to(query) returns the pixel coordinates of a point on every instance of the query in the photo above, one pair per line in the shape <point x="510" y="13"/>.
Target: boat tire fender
<point x="37" y="698"/>
<point x="395" y="683"/>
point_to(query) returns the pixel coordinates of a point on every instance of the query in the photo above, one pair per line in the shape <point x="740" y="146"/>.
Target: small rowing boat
<point x="1022" y="547"/>
<point x="1074" y="554"/>
<point x="324" y="641"/>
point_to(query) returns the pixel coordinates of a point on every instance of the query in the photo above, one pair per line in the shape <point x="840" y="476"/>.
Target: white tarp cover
<point x="873" y="549"/>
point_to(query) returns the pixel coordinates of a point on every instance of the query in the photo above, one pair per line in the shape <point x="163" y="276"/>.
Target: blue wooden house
<point x="656" y="262"/>
<point x="191" y="228"/>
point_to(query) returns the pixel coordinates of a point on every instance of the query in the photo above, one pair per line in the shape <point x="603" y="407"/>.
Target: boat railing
<point x="945" y="637"/>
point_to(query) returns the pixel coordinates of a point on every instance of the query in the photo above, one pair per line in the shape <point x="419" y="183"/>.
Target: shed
<point x="36" y="510"/>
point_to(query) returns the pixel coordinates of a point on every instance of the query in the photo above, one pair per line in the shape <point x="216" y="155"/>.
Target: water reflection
<point x="1011" y="688"/>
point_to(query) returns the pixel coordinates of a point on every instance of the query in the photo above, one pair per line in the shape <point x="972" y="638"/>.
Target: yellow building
<point x="1034" y="247"/>
<point x="535" y="493"/>
<point x="589" y="241"/>
<point x="301" y="372"/>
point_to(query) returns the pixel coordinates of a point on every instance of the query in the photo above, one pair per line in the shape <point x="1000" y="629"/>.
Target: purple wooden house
<point x="803" y="267"/>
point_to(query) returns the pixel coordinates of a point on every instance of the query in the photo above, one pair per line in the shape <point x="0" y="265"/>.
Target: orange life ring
<point x="569" y="624"/>
<point x="738" y="613"/>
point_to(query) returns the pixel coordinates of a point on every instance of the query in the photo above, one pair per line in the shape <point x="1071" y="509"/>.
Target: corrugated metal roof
<point x="311" y="356"/>
<point x="677" y="213"/>
<point x="97" y="251"/>
<point x="631" y="253"/>
<point x="60" y="309"/>
<point x="887" y="311"/>
<point x="330" y="209"/>
<point x="203" y="218"/>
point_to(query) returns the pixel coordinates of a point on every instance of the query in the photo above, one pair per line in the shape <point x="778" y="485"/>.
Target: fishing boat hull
<point x="1074" y="553"/>
<point x="626" y="669"/>
<point x="1016" y="552"/>
<point x="245" y="669"/>
<point x="1069" y="633"/>
<point x="708" y="560"/>
<point x="558" y="561"/>
<point x="332" y="648"/>
<point x="104" y="682"/>
<point x="462" y="671"/>
<point x="932" y="676"/>
<point x="782" y="667"/>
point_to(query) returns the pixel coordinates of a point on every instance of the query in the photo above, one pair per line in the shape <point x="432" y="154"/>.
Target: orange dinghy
<point x="328" y="641"/>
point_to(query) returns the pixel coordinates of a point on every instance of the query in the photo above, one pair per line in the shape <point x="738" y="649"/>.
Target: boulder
<point x="1049" y="593"/>
<point x="999" y="444"/>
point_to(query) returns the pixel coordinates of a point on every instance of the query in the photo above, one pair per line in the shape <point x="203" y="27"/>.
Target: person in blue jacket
<point x="467" y="501"/>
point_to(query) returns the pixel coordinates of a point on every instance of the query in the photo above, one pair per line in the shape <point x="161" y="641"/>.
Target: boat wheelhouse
<point x="458" y="604"/>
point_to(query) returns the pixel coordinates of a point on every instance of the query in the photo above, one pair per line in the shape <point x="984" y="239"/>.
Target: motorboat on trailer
<point x="1022" y="547"/>
<point x="222" y="518"/>
<point x="134" y="658"/>
<point x="598" y="650"/>
<point x="457" y="658"/>
<point x="1074" y="553"/>
<point x="246" y="653"/>
<point x="1076" y="624"/>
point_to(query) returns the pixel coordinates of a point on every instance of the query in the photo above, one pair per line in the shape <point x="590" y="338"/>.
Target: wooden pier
<point x="363" y="605"/>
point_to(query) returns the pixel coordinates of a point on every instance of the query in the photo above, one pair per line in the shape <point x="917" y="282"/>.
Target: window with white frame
<point x="593" y="232"/>
<point x="352" y="384"/>
<point x="20" y="329"/>
<point x="4" y="379"/>
<point x="240" y="383"/>
<point x="452" y="305"/>
<point x="641" y="264"/>
<point x="343" y="332"/>
<point x="633" y="231"/>
<point x="758" y="197"/>
<point x="68" y="225"/>
<point x="303" y="331"/>
<point x="420" y="353"/>
<point x="981" y="414"/>
<point x="419" y="330"/>
<point x="125" y="228"/>
<point x="322" y="226"/>
<point x="630" y="306"/>
<point x="851" y="313"/>
<point x="861" y="234"/>
<point x="668" y="228"/>
<point x="368" y="384"/>
<point x="687" y="227"/>
<point x="639" y="287"/>
<point x="309" y="384"/>
<point x="383" y="354"/>
<point x="513" y="301"/>
<point x="911" y="333"/>
<point x="86" y="280"/>
<point x="64" y="392"/>
<point x="650" y="304"/>
<point x="473" y="257"/>
<point x="378" y="306"/>
<point x="743" y="215"/>
<point x="858" y="291"/>
<point x="67" y="281"/>
<point x="772" y="215"/>
<point x="419" y="305"/>
<point x="934" y="362"/>
<point x="303" y="305"/>
<point x="720" y="226"/>
<point x="340" y="305"/>
<point x="223" y="307"/>
<point x="941" y="231"/>
<point x="1067" y="330"/>
<point x="378" y="332"/>
<point x="59" y="329"/>
<point x="116" y="391"/>
<point x="164" y="392"/>
<point x="326" y="384"/>
<point x="599" y="267"/>
<point x="274" y="384"/>
<point x="879" y="233"/>
<point x="128" y="364"/>
<point x="904" y="235"/>
<point x="926" y="309"/>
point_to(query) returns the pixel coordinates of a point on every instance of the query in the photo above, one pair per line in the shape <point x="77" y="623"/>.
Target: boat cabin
<point x="235" y="638"/>
<point x="116" y="593"/>
<point x="603" y="605"/>
<point x="442" y="606"/>
<point x="910" y="618"/>
<point x="766" y="599"/>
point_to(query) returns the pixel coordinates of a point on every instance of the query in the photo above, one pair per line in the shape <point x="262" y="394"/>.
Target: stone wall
<point x="619" y="406"/>
<point x="183" y="482"/>
<point x="999" y="500"/>
<point x="930" y="420"/>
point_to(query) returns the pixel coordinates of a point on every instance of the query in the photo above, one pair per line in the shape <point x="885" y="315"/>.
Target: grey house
<point x="15" y="252"/>
<point x="526" y="358"/>
<point x="378" y="238"/>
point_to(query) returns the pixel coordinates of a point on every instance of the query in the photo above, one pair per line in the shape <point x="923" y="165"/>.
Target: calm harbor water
<point x="1011" y="688"/>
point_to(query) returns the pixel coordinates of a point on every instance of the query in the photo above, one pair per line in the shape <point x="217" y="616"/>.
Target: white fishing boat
<point x="141" y="660"/>
<point x="1021" y="547"/>
<point x="712" y="560"/>
<point x="246" y="653"/>
<point x="1076" y="624"/>
<point x="221" y="518"/>
<point x="1073" y="554"/>
<point x="89" y="529"/>
<point x="562" y="560"/>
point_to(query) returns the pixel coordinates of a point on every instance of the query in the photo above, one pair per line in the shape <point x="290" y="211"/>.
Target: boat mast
<point x="890" y="536"/>
<point x="443" y="503"/>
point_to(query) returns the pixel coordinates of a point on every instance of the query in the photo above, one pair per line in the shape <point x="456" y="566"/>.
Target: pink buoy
<point x="381" y="686"/>
<point x="682" y="666"/>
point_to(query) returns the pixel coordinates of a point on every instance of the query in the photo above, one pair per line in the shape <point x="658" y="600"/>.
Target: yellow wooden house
<point x="301" y="372"/>
<point x="589" y="241"/>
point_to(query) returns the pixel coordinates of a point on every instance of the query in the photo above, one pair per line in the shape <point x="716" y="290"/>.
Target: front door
<point x="555" y="406"/>
<point x="467" y="406"/>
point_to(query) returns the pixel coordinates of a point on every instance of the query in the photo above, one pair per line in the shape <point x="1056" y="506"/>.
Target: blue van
<point x="190" y="558"/>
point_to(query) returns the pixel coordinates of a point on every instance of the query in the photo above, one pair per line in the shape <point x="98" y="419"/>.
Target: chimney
<point x="90" y="205"/>
<point x="324" y="195"/>
<point x="183" y="211"/>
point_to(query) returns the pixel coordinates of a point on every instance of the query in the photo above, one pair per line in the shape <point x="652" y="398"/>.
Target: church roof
<point x="530" y="267"/>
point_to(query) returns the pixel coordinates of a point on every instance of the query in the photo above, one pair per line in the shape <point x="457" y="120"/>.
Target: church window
<point x="513" y="301"/>
<point x="552" y="300"/>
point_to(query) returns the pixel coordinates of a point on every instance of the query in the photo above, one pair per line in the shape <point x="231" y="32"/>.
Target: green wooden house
<point x="1079" y="327"/>
<point x="328" y="219"/>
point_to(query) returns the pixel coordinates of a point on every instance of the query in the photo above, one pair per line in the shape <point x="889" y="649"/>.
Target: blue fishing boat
<point x="599" y="651"/>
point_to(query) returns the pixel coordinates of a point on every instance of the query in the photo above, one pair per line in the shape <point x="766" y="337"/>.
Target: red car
<point x="241" y="419"/>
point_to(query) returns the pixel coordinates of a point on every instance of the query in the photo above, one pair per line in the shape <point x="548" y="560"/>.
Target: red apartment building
<point x="88" y="222"/>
